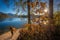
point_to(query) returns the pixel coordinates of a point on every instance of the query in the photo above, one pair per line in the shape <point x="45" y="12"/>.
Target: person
<point x="11" y="29"/>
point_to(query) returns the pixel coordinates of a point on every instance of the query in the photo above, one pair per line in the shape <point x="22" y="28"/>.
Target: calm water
<point x="16" y="22"/>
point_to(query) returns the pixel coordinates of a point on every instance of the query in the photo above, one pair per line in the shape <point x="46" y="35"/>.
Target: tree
<point x="28" y="1"/>
<point x="51" y="9"/>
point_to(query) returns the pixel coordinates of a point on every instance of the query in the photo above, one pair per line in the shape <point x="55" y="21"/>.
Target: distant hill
<point x="6" y="15"/>
<point x="10" y="14"/>
<point x="3" y="15"/>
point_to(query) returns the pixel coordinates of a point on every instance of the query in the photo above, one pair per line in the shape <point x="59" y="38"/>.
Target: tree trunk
<point x="51" y="21"/>
<point x="28" y="12"/>
<point x="51" y="9"/>
<point x="51" y="12"/>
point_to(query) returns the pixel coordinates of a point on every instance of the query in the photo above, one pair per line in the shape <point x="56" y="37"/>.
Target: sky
<point x="5" y="9"/>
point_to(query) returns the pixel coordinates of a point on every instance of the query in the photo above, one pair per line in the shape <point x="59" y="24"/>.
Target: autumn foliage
<point x="34" y="32"/>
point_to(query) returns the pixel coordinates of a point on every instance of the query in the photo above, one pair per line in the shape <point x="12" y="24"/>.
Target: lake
<point x="15" y="22"/>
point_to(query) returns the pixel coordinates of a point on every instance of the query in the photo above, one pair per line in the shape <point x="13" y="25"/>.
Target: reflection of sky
<point x="16" y="22"/>
<point x="3" y="7"/>
<point x="14" y="19"/>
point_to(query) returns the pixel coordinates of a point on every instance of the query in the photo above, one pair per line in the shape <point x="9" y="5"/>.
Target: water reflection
<point x="13" y="19"/>
<point x="16" y="22"/>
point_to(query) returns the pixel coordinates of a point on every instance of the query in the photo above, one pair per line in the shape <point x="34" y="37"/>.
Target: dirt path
<point x="8" y="36"/>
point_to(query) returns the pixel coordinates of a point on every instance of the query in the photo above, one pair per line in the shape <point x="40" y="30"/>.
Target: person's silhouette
<point x="11" y="29"/>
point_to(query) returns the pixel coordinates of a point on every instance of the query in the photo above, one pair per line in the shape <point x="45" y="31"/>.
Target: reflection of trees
<point x="1" y="20"/>
<point x="9" y="19"/>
